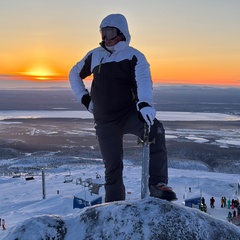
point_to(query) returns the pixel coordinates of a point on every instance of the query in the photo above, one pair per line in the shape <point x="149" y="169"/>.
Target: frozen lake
<point x="161" y="115"/>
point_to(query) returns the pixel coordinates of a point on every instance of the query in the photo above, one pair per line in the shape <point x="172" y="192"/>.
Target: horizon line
<point x="10" y="80"/>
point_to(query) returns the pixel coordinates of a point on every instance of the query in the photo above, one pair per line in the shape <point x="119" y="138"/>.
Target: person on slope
<point x="121" y="101"/>
<point x="3" y="224"/>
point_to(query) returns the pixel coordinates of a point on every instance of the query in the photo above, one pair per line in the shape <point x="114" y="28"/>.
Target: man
<point x="121" y="101"/>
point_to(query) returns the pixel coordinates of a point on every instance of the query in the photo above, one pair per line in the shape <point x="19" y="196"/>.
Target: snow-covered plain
<point x="21" y="199"/>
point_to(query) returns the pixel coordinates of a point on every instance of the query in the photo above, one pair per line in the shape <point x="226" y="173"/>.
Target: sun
<point x="40" y="73"/>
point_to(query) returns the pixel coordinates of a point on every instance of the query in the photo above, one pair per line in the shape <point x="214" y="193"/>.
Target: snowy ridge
<point x="148" y="218"/>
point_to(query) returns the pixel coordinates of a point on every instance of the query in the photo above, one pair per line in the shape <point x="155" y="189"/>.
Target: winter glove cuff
<point x="142" y="105"/>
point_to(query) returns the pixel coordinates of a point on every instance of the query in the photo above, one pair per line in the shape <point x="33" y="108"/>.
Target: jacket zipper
<point x="99" y="67"/>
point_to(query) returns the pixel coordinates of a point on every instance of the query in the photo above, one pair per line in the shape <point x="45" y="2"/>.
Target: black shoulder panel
<point x="86" y="70"/>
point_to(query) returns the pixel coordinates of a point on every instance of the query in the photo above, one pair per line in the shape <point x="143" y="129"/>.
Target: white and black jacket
<point x="120" y="79"/>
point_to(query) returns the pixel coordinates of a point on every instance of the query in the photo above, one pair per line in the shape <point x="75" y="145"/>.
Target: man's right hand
<point x="87" y="102"/>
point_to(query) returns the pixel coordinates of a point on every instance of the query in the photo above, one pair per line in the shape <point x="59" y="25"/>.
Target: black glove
<point x="86" y="101"/>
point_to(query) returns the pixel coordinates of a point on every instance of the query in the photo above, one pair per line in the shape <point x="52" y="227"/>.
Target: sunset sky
<point x="185" y="41"/>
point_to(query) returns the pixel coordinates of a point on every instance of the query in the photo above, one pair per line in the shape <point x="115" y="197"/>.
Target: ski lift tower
<point x="238" y="189"/>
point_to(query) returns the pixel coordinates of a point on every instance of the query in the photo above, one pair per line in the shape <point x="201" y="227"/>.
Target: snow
<point x="163" y="116"/>
<point x="230" y="141"/>
<point x="22" y="202"/>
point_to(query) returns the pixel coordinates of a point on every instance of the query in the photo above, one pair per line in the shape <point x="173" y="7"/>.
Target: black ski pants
<point x="110" y="138"/>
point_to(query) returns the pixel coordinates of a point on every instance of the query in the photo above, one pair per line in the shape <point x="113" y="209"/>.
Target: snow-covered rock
<point x="148" y="219"/>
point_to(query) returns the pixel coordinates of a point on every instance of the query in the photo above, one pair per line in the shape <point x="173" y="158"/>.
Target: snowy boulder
<point x="148" y="219"/>
<point x="44" y="227"/>
<point x="153" y="219"/>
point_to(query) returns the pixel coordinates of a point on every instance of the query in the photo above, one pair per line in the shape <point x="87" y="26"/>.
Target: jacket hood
<point x="119" y="21"/>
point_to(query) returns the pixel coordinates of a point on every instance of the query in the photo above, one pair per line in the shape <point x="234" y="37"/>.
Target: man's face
<point x="112" y="42"/>
<point x="110" y="36"/>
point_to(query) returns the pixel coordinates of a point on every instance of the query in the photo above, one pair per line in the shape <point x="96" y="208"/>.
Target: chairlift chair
<point x="79" y="181"/>
<point x="98" y="176"/>
<point x="16" y="175"/>
<point x="29" y="177"/>
<point x="88" y="182"/>
<point x="68" y="178"/>
<point x="95" y="188"/>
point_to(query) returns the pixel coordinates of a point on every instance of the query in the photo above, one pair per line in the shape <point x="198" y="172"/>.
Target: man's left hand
<point x="147" y="112"/>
